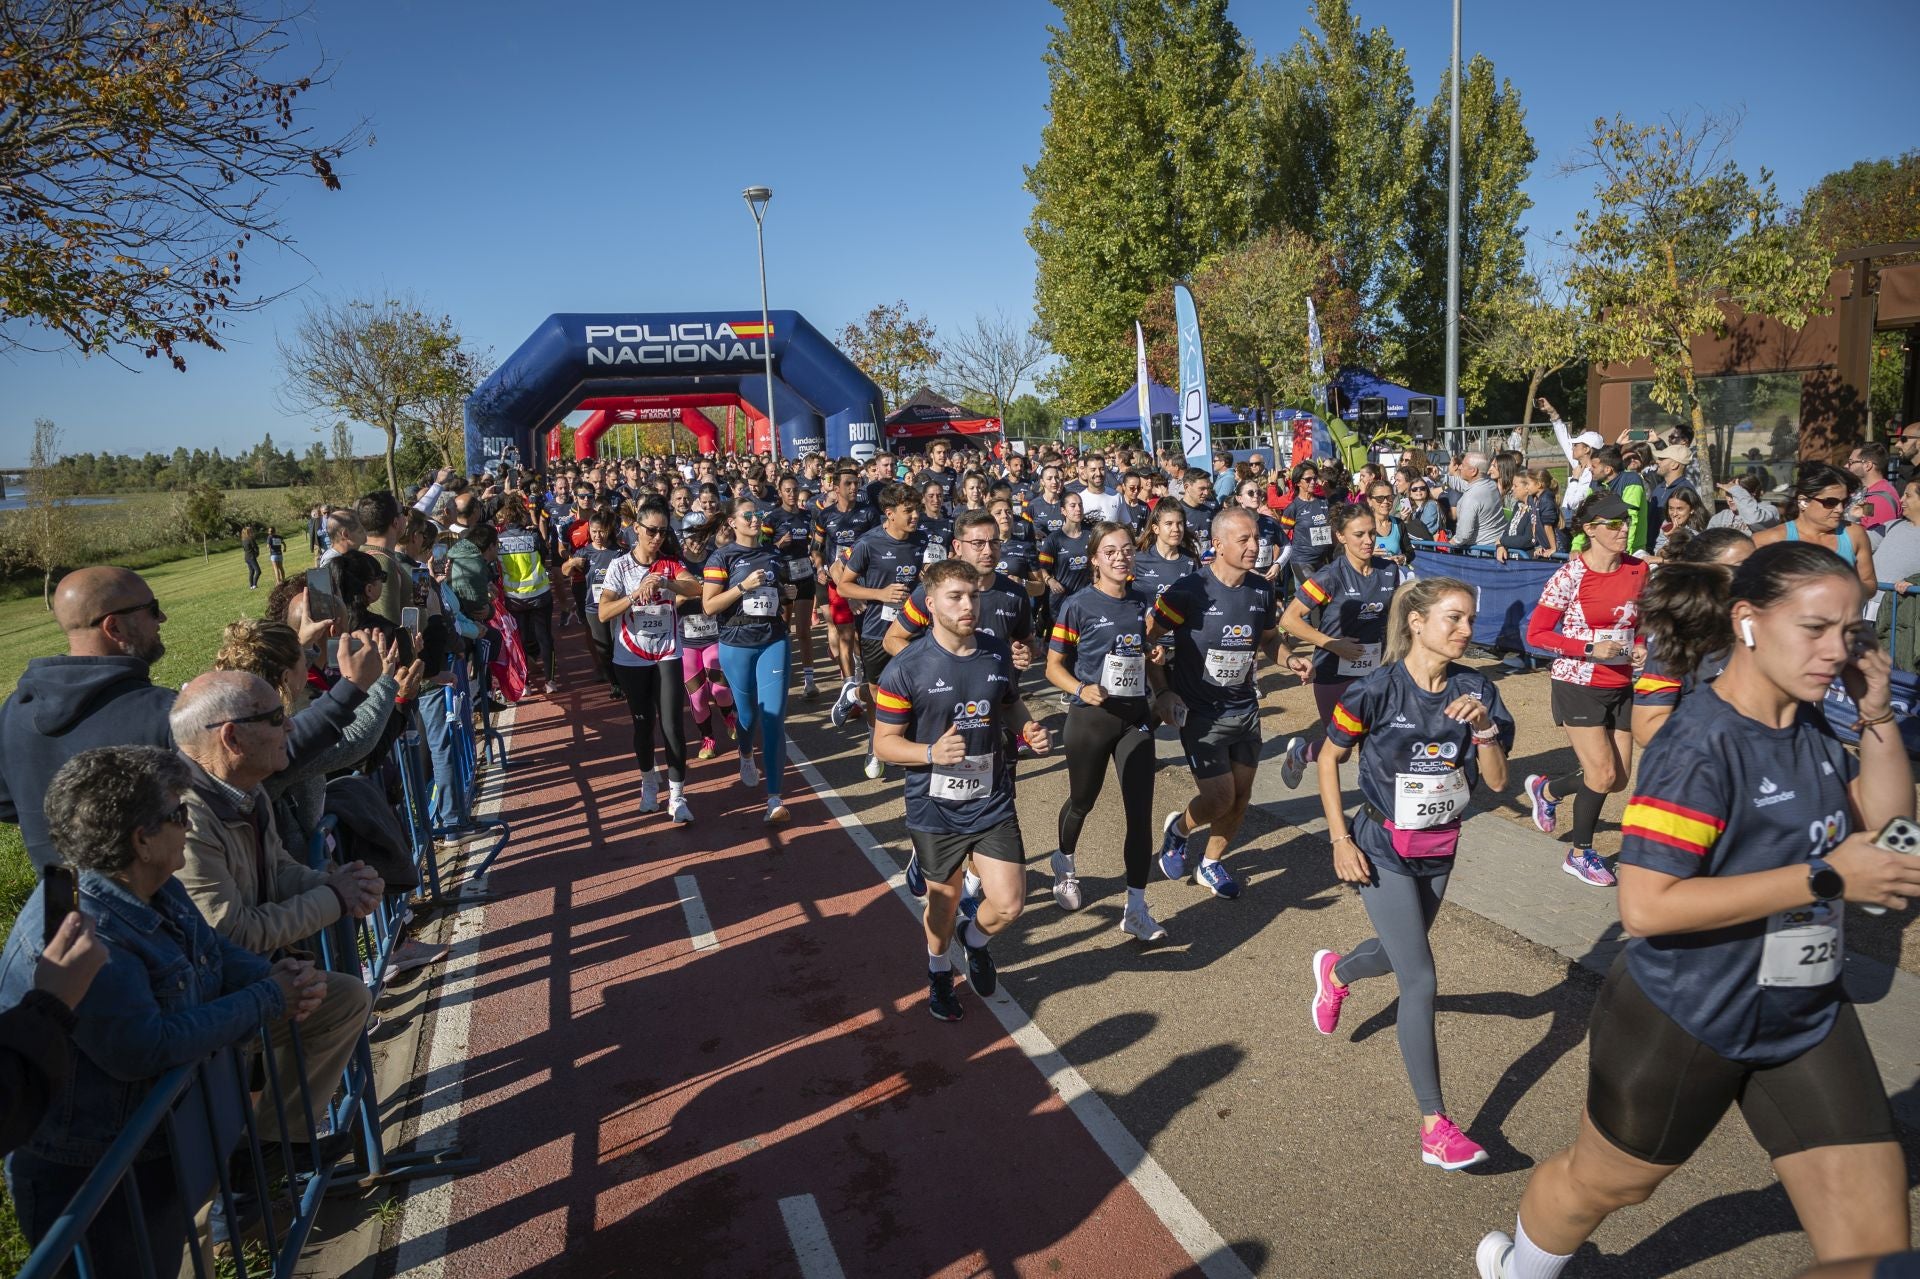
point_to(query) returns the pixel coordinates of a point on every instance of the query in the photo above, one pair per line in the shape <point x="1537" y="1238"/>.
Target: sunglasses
<point x="275" y="717"/>
<point x="1614" y="524"/>
<point x="178" y="817"/>
<point x="151" y="606"/>
<point x="1831" y="503"/>
<point x="652" y="530"/>
<point x="1379" y="497"/>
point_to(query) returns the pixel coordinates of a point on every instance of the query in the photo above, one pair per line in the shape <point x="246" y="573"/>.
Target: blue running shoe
<point x="916" y="878"/>
<point x="1218" y="879"/>
<point x="941" y="1001"/>
<point x="1544" y="809"/>
<point x="981" y="974"/>
<point x="841" y="704"/>
<point x="1173" y="850"/>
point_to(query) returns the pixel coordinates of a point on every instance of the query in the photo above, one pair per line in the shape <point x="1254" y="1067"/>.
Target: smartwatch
<point x="1824" y="881"/>
<point x="1589" y="649"/>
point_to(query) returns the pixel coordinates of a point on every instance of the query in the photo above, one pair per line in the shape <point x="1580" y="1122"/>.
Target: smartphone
<point x="1898" y="836"/>
<point x="440" y="550"/>
<point x="61" y="891"/>
<point x="410" y="619"/>
<point x="323" y="601"/>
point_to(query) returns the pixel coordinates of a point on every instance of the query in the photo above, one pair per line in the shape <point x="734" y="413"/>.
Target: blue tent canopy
<point x="1124" y="413"/>
<point x="1351" y="383"/>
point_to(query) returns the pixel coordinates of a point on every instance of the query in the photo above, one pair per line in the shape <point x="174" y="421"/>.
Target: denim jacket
<point x="172" y="991"/>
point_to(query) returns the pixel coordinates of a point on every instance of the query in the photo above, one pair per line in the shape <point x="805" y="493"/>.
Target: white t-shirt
<point x="1099" y="506"/>
<point x="646" y="633"/>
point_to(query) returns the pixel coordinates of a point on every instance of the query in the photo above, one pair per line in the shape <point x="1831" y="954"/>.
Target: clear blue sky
<point x="588" y="156"/>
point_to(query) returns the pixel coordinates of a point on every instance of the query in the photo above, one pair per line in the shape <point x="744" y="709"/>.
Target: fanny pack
<point x="1416" y="845"/>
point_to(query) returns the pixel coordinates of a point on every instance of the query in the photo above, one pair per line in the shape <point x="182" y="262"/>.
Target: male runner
<point x="835" y="530"/>
<point x="937" y="469"/>
<point x="1221" y="618"/>
<point x="880" y="571"/>
<point x="1197" y="500"/>
<point x="1003" y="611"/>
<point x="788" y="528"/>
<point x="945" y="710"/>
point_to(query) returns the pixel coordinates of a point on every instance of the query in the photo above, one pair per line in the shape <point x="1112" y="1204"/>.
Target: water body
<point x="16" y="499"/>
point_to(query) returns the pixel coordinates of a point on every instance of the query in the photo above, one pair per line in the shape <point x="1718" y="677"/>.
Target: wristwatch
<point x="1824" y="881"/>
<point x="1589" y="649"/>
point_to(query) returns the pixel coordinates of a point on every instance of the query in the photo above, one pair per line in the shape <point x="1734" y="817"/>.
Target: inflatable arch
<point x="614" y="363"/>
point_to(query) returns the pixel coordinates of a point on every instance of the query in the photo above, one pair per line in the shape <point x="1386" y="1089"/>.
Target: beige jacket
<point x="242" y="879"/>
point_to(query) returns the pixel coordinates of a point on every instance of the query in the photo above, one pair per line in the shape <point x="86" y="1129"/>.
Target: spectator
<point x="1425" y="516"/>
<point x="1477" y="512"/>
<point x="1670" y="467"/>
<point x="36" y="1034"/>
<point x="1685" y="512"/>
<point x="250" y="552"/>
<point x="231" y="728"/>
<point x="171" y="992"/>
<point x="344" y="533"/>
<point x="1223" y="477"/>
<point x="1821" y="494"/>
<point x="1906" y="447"/>
<point x="385" y="520"/>
<point x="1530" y="528"/>
<point x="277" y="555"/>
<point x="1878" y="504"/>
<point x="1897" y="558"/>
<point x="1610" y="472"/>
<point x="1579" y="452"/>
<point x="1745" y="510"/>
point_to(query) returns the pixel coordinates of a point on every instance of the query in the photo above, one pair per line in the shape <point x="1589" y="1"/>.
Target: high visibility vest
<point x="522" y="570"/>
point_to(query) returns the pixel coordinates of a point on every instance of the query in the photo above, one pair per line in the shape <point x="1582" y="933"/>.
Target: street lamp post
<point x="756" y="198"/>
<point x="1453" y="242"/>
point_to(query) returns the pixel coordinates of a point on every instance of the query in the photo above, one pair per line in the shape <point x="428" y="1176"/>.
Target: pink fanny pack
<point x="1441" y="841"/>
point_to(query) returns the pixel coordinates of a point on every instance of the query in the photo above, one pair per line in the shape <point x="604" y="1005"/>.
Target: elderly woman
<point x="173" y="991"/>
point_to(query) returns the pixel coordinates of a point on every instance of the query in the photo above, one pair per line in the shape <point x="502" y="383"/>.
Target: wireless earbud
<point x="1746" y="630"/>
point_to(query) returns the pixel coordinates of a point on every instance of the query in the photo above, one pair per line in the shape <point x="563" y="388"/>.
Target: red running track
<point x="641" y="1107"/>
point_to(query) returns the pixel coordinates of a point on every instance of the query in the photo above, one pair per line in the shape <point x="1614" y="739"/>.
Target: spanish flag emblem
<point x="752" y="329"/>
<point x="1674" y="825"/>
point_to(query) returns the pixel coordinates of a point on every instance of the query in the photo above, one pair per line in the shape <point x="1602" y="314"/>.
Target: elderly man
<point x="1476" y="512"/>
<point x="232" y="729"/>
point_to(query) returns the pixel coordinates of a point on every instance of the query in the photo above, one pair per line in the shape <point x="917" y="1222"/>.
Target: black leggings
<point x="536" y="635"/>
<point x="653" y="697"/>
<point x="1094" y="735"/>
<point x="600" y="640"/>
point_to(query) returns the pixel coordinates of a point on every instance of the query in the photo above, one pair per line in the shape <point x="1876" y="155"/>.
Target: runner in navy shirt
<point x="1165" y="552"/>
<point x="1199" y="505"/>
<point x="880" y="572"/>
<point x="1003" y="610"/>
<point x="835" y="530"/>
<point x="1064" y="557"/>
<point x="935" y="529"/>
<point x="1274" y="551"/>
<point x="1426" y="730"/>
<point x="1672" y="642"/>
<point x="789" y="528"/>
<point x="1019" y="555"/>
<point x="1748" y="826"/>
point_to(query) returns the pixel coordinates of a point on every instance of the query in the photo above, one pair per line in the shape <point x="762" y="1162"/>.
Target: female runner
<point x="707" y="693"/>
<point x="1427" y="731"/>
<point x="637" y="600"/>
<point x="1165" y="553"/>
<point x="1064" y="554"/>
<point x="1665" y="618"/>
<point x="593" y="560"/>
<point x="1749" y="826"/>
<point x="935" y="528"/>
<point x="742" y="584"/>
<point x="1274" y="551"/>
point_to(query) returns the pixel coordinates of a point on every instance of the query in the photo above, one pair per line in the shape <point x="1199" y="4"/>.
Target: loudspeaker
<point x="1373" y="413"/>
<point x="1420" y="414"/>
<point x="1163" y="430"/>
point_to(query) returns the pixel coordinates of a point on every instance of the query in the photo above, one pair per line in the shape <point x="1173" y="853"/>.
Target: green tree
<point x="437" y="426"/>
<point x="1678" y="235"/>
<point x="1872" y="202"/>
<point x="203" y="513"/>
<point x="46" y="523"/>
<point x="893" y="347"/>
<point x="1142" y="172"/>
<point x="1523" y="332"/>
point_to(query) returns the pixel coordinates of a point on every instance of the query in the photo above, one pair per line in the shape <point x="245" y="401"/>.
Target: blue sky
<point x="588" y="156"/>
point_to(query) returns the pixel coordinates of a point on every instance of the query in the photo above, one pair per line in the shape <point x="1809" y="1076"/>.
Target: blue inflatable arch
<point x="823" y="401"/>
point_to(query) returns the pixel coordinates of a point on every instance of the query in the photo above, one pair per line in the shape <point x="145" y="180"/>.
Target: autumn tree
<point x="1679" y="234"/>
<point x="439" y="423"/>
<point x="1524" y="332"/>
<point x="893" y="347"/>
<point x="141" y="145"/>
<point x="1872" y="202"/>
<point x="990" y="360"/>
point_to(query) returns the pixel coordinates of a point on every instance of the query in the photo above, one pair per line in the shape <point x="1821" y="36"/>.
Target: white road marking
<point x="696" y="909"/>
<point x="811" y="1244"/>
<point x="1175" y="1211"/>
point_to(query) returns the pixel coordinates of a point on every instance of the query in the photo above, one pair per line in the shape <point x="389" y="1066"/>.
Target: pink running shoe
<point x="1449" y="1148"/>
<point x="1327" y="997"/>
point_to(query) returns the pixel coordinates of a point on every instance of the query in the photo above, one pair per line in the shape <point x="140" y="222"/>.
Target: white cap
<point x="1591" y="439"/>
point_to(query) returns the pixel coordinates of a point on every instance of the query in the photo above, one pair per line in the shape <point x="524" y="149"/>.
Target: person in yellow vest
<point x="523" y="574"/>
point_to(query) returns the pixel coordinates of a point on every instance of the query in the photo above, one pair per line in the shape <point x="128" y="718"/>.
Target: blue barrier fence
<point x="203" y="1111"/>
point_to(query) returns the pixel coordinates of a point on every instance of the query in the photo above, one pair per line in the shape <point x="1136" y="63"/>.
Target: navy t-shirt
<point x="754" y="619"/>
<point x="1417" y="767"/>
<point x="1002" y="609"/>
<point x="1068" y="557"/>
<point x="929" y="690"/>
<point x="1310" y="523"/>
<point x="1200" y="523"/>
<point x="1659" y="686"/>
<point x="1046" y="517"/>
<point x="836" y="530"/>
<point x="935" y="535"/>
<point x="1154" y="574"/>
<point x="1721" y="794"/>
<point x="1019" y="554"/>
<point x="879" y="560"/>
<point x="1092" y="626"/>
<point x="1217" y="631"/>
<point x="1351" y="605"/>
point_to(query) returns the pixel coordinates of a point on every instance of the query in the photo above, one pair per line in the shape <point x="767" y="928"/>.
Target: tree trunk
<point x="46" y="589"/>
<point x="393" y="476"/>
<point x="1534" y="379"/>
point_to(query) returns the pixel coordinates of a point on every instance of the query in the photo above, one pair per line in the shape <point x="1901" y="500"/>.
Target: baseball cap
<point x="1603" y="506"/>
<point x="1590" y="438"/>
<point x="1675" y="453"/>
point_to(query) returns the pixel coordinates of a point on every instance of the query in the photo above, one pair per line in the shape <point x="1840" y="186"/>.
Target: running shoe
<point x="808" y="689"/>
<point x="916" y="878"/>
<point x="1294" y="766"/>
<point x="1327" y="997"/>
<point x="842" y="706"/>
<point x="1544" y="809"/>
<point x="981" y="974"/>
<point x="566" y="620"/>
<point x="1136" y="922"/>
<point x="682" y="815"/>
<point x="1218" y="879"/>
<point x="650" y="791"/>
<point x="875" y="770"/>
<point x="777" y="813"/>
<point x="553" y="687"/>
<point x="941" y="1001"/>
<point x="1491" y="1258"/>
<point x="1586" y="865"/>
<point x="613" y="691"/>
<point x="708" y="747"/>
<point x="1445" y="1146"/>
<point x="1173" y="849"/>
<point x="971" y="890"/>
<point x="1066" y="885"/>
<point x="749" y="775"/>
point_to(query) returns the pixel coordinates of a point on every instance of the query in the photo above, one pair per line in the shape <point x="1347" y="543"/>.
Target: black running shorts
<point x="1657" y="1093"/>
<point x="1582" y="706"/>
<point x="874" y="657"/>
<point x="1215" y="745"/>
<point x="942" y="854"/>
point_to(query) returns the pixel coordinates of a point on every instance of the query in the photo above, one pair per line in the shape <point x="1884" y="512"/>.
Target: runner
<point x="742" y="588"/>
<point x="1587" y="614"/>
<point x="707" y="691"/>
<point x="1750" y="823"/>
<point x="1673" y="629"/>
<point x="935" y="526"/>
<point x="1043" y="508"/>
<point x="592" y="561"/>
<point x="1003" y="609"/>
<point x="1427" y="731"/>
<point x="1165" y="552"/>
<point x="1221" y="618"/>
<point x="835" y="530"/>
<point x="1350" y="600"/>
<point x="1308" y="521"/>
<point x="945" y="710"/>
<point x="636" y="598"/>
<point x="880" y="572"/>
<point x="1251" y="495"/>
<point x="789" y="528"/>
<point x="1064" y="555"/>
<point x="1198" y="504"/>
<point x="1019" y="555"/>
<point x="1098" y="656"/>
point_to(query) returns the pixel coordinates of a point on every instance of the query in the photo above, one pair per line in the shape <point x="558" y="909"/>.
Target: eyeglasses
<point x="1831" y="503"/>
<point x="275" y="717"/>
<point x="1616" y="525"/>
<point x="988" y="542"/>
<point x="152" y="606"/>
<point x="1379" y="497"/>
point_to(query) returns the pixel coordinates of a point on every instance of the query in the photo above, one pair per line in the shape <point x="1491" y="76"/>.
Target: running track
<point x="643" y="1105"/>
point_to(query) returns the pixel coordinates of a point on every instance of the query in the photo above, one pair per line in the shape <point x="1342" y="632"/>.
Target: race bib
<point x="698" y="628"/>
<point x="1320" y="536"/>
<point x="935" y="553"/>
<point x="800" y="569"/>
<point x="599" y="591"/>
<point x="1228" y="668"/>
<point x="970" y="779"/>
<point x="764" y="602"/>
<point x="888" y="612"/>
<point x="1621" y="635"/>
<point x="1265" y="557"/>
<point x="1422" y="801"/>
<point x="1804" y="946"/>
<point x="651" y="624"/>
<point x="1124" y="675"/>
<point x="1365" y="664"/>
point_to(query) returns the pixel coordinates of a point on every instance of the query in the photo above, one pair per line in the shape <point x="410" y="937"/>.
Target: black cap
<point x="1604" y="506"/>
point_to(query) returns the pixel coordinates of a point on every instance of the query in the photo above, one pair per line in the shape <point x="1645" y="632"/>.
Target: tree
<point x="1872" y="202"/>
<point x="991" y="359"/>
<point x="47" y="520"/>
<point x="1142" y="172"/>
<point x="1680" y="234"/>
<point x="893" y="348"/>
<point x="439" y="423"/>
<point x="1523" y="332"/>
<point x="379" y="361"/>
<point x="203" y="513"/>
<point x="140" y="143"/>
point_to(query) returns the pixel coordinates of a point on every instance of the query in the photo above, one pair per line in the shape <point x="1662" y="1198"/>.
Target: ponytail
<point x="1416" y="597"/>
<point x="1684" y="614"/>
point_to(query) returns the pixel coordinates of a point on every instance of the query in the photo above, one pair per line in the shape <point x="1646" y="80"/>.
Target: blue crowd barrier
<point x="1504" y="594"/>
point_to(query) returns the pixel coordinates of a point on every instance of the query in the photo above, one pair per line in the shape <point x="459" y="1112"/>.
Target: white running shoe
<point x="875" y="770"/>
<point x="807" y="687"/>
<point x="1491" y="1257"/>
<point x="749" y="775"/>
<point x="552" y="687"/>
<point x="1294" y="766"/>
<point x="1066" y="885"/>
<point x="777" y="814"/>
<point x="650" y="791"/>
<point x="682" y="814"/>
<point x="1139" y="924"/>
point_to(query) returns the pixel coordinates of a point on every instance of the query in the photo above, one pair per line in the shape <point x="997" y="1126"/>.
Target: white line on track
<point x="811" y="1244"/>
<point x="1175" y="1211"/>
<point x="696" y="910"/>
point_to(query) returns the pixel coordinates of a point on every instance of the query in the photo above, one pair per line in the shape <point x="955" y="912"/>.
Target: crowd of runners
<point x="964" y="601"/>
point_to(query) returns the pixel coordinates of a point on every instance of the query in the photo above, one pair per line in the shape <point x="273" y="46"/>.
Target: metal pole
<point x="757" y="198"/>
<point x="1453" y="235"/>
